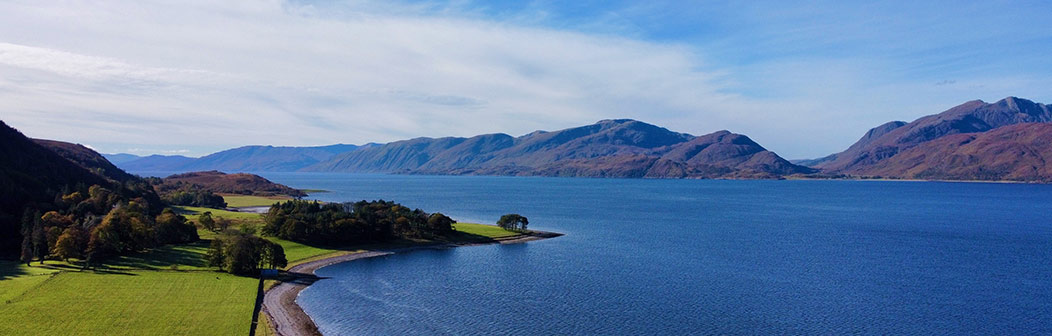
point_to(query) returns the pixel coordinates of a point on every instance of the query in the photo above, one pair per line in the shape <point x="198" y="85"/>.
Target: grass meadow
<point x="168" y="290"/>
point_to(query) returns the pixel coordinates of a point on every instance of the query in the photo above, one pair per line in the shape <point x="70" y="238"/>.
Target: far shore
<point x="799" y="178"/>
<point x="287" y="318"/>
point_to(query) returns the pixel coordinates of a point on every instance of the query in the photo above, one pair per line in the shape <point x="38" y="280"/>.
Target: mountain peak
<point x="888" y="140"/>
<point x="616" y="121"/>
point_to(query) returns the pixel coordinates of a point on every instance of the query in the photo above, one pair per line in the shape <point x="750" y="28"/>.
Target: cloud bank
<point x="209" y="75"/>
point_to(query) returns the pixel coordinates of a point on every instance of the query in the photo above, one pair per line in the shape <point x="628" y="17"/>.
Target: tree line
<point x="95" y="222"/>
<point x="360" y="222"/>
<point x="188" y="194"/>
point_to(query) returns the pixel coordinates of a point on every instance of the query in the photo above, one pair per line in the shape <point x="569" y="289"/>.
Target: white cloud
<point x="209" y="75"/>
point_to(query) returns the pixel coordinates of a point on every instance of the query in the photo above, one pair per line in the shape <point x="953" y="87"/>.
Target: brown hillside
<point x="241" y="183"/>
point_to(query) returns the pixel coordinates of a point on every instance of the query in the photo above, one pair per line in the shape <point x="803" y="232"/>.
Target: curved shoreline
<point x="287" y="318"/>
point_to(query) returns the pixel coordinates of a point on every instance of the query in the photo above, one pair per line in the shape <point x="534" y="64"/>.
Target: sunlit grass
<point x="239" y="201"/>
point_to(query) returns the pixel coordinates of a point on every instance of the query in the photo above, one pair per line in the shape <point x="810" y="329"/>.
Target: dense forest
<point x="359" y="222"/>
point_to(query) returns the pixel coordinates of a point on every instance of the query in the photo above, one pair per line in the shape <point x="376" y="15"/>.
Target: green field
<point x="488" y="231"/>
<point x="166" y="291"/>
<point x="136" y="302"/>
<point x="239" y="201"/>
<point x="192" y="213"/>
<point x="293" y="251"/>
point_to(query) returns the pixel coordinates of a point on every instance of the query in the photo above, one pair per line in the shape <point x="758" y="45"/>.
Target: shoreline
<point x="287" y="318"/>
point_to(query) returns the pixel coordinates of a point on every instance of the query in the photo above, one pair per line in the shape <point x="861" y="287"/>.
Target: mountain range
<point x="608" y="148"/>
<point x="247" y="158"/>
<point x="634" y="149"/>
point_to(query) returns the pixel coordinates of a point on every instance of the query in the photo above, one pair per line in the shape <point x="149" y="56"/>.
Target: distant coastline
<point x="286" y="317"/>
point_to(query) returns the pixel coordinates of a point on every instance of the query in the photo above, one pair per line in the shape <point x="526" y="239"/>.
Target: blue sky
<point x="802" y="79"/>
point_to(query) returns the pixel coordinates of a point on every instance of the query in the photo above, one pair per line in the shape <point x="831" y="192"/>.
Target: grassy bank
<point x="166" y="291"/>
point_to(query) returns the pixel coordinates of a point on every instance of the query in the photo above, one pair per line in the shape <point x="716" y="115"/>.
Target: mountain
<point x="240" y="183"/>
<point x="609" y="148"/>
<point x="1013" y="153"/>
<point x="156" y="163"/>
<point x="241" y="159"/>
<point x="121" y="158"/>
<point x="895" y="137"/>
<point x="31" y="174"/>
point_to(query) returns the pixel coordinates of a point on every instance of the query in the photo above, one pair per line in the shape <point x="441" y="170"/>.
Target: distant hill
<point x="609" y="148"/>
<point x="121" y="158"/>
<point x="241" y="159"/>
<point x="241" y="183"/>
<point x="87" y="159"/>
<point x="157" y="163"/>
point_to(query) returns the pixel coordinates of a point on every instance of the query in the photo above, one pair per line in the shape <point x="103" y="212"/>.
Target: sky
<point x="805" y="80"/>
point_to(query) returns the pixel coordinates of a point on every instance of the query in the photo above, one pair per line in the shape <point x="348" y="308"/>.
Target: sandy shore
<point x="288" y="319"/>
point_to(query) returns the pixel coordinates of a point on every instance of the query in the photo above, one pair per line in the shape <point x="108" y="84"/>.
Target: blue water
<point x="661" y="257"/>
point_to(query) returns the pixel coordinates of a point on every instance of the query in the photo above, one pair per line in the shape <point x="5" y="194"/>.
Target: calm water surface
<point x="661" y="257"/>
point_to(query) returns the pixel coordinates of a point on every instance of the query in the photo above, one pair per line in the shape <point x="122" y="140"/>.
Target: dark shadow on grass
<point x="112" y="271"/>
<point x="164" y="257"/>
<point x="11" y="269"/>
<point x="464" y="237"/>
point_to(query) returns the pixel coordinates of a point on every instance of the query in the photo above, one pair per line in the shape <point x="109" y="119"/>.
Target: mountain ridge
<point x="608" y="148"/>
<point x="878" y="152"/>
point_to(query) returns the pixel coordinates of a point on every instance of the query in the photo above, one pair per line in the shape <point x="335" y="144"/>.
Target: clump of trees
<point x="514" y="222"/>
<point x="94" y="222"/>
<point x="245" y="254"/>
<point x="359" y="222"/>
<point x="187" y="194"/>
<point x="214" y="224"/>
<point x="194" y="197"/>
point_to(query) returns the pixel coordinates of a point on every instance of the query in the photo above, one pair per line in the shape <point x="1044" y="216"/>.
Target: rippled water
<point x="664" y="257"/>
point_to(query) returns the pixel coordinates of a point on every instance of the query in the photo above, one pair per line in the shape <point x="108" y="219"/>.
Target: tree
<point x="39" y="234"/>
<point x="69" y="244"/>
<point x="29" y="219"/>
<point x="440" y="223"/>
<point x="514" y="222"/>
<point x="171" y="228"/>
<point x="206" y="221"/>
<point x="215" y="254"/>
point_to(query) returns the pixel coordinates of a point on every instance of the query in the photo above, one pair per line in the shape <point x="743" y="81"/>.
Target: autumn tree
<point x="70" y="244"/>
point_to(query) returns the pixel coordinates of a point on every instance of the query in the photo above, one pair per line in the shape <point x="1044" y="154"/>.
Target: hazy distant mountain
<point x="867" y="156"/>
<point x="247" y="158"/>
<point x="156" y="163"/>
<point x="121" y="158"/>
<point x="609" y="148"/>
